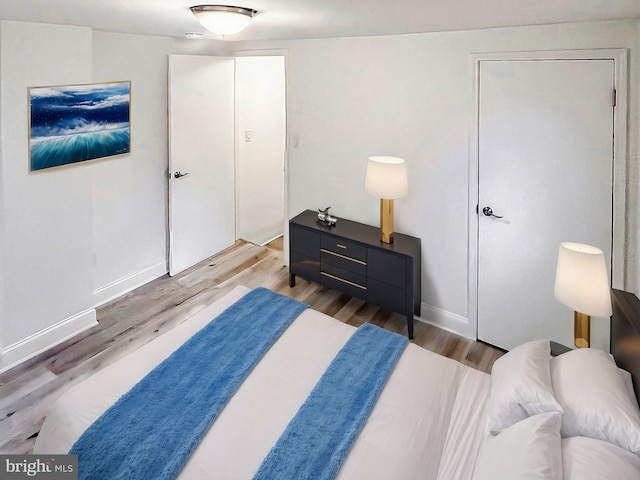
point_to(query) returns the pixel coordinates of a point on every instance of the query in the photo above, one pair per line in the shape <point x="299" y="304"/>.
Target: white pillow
<point x="590" y="459"/>
<point x="529" y="450"/>
<point x="628" y="381"/>
<point x="595" y="398"/>
<point x="521" y="386"/>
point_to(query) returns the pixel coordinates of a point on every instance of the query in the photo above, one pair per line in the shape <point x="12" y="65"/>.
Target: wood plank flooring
<point x="28" y="390"/>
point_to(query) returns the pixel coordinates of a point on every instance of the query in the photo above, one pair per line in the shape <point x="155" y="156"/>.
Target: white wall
<point x="411" y="96"/>
<point x="75" y="236"/>
<point x="46" y="218"/>
<point x="633" y="174"/>
<point x="260" y="109"/>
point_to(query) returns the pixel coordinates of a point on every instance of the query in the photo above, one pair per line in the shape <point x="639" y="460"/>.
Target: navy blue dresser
<point x="350" y="257"/>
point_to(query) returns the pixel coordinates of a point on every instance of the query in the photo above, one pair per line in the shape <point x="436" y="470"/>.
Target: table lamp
<point x="582" y="284"/>
<point x="386" y="178"/>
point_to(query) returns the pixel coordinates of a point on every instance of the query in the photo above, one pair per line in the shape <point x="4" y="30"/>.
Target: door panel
<point x="545" y="166"/>
<point x="201" y="125"/>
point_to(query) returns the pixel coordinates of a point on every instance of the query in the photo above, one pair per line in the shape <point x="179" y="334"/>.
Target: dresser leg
<point x="410" y="326"/>
<point x="292" y="280"/>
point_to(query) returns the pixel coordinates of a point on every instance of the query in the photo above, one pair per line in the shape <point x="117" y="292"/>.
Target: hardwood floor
<point x="130" y="321"/>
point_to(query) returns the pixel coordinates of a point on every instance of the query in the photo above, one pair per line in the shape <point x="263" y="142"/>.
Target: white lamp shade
<point x="386" y="177"/>
<point x="582" y="281"/>
<point x="222" y="19"/>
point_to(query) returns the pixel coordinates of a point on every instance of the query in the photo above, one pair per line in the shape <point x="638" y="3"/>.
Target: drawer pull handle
<point x="342" y="280"/>
<point x="341" y="246"/>
<point x="342" y="256"/>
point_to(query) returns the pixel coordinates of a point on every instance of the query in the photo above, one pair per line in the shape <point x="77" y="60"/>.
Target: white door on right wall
<point x="545" y="146"/>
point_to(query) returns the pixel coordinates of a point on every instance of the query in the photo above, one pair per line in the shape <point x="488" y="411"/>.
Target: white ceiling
<point x="295" y="19"/>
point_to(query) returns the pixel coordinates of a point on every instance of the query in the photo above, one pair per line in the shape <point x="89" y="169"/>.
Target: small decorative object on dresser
<point x="351" y="258"/>
<point x="325" y="217"/>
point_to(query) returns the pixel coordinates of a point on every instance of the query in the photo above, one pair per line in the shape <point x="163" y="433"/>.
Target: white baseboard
<point x="271" y="239"/>
<point x="447" y="321"/>
<point x="126" y="284"/>
<point x="47" y="338"/>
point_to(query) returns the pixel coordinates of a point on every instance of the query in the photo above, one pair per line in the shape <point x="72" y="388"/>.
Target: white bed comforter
<point x="428" y="422"/>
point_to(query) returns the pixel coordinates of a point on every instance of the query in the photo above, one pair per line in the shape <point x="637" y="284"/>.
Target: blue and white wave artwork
<point x="74" y="123"/>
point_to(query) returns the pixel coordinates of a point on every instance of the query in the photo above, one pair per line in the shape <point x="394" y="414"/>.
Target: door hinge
<point x="615" y="97"/>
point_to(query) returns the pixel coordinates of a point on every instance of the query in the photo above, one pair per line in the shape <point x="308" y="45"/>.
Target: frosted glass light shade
<point x="386" y="177"/>
<point x="223" y="19"/>
<point x="582" y="281"/>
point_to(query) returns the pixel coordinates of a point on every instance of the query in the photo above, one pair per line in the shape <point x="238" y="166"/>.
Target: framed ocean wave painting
<point x="75" y="123"/>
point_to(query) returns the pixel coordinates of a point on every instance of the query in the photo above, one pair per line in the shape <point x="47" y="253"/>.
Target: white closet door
<point x="545" y="166"/>
<point x="201" y="158"/>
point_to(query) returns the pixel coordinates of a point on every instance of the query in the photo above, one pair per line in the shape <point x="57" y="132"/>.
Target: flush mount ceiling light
<point x="223" y="19"/>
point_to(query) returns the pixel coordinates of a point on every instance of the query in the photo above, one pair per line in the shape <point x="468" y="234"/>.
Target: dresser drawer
<point x="304" y="266"/>
<point x="305" y="242"/>
<point x="344" y="247"/>
<point x="386" y="267"/>
<point x="346" y="275"/>
<point x="386" y="295"/>
<point x="342" y="261"/>
<point x="337" y="283"/>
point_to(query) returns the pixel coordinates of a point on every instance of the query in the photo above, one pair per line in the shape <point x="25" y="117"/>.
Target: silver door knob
<point x="178" y="174"/>
<point x="488" y="212"/>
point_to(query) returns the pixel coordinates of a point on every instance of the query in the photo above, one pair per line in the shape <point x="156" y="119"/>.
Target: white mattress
<point x="428" y="422"/>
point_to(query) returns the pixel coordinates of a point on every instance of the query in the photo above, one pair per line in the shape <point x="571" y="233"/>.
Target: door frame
<point x="250" y="53"/>
<point x="618" y="263"/>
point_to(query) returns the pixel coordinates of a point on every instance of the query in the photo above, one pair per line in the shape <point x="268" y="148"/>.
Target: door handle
<point x="178" y="174"/>
<point x="489" y="213"/>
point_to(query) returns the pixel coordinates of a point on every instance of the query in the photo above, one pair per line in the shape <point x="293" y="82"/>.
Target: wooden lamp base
<point x="581" y="329"/>
<point x="386" y="220"/>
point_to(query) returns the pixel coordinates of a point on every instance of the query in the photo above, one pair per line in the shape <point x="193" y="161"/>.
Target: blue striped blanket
<point x="151" y="431"/>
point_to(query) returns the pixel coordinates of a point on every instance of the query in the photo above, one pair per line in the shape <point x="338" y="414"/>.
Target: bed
<point x="434" y="419"/>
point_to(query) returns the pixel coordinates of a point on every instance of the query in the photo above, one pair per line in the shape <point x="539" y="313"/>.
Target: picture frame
<point x="74" y="123"/>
